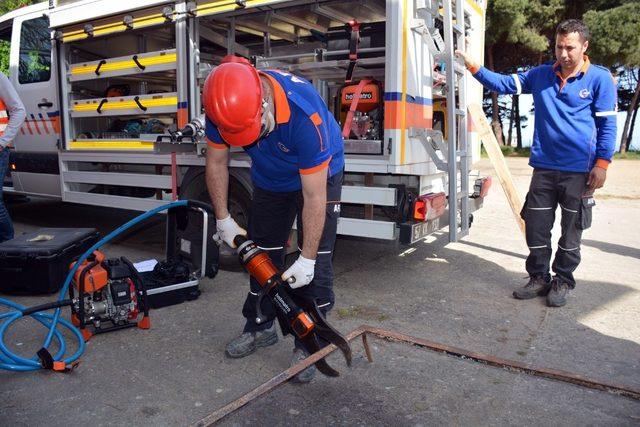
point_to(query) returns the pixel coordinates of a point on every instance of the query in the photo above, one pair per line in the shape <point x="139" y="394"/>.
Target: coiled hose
<point x="13" y="362"/>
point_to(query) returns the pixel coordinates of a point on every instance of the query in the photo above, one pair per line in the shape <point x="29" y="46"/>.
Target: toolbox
<point x="191" y="254"/>
<point x="38" y="262"/>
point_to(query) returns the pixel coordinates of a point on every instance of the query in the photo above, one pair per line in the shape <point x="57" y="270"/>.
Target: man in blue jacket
<point x="295" y="146"/>
<point x="573" y="142"/>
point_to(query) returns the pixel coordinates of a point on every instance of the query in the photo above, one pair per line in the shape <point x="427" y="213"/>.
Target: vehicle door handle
<point x="45" y="104"/>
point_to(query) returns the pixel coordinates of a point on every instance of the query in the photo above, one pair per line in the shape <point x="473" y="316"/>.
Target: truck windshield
<point x="35" y="51"/>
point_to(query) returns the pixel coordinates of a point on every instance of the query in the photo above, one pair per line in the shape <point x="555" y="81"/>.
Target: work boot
<point x="537" y="286"/>
<point x="557" y="296"/>
<point x="307" y="375"/>
<point x="248" y="342"/>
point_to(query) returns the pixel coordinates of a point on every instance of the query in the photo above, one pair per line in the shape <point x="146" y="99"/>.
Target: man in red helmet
<point x="295" y="146"/>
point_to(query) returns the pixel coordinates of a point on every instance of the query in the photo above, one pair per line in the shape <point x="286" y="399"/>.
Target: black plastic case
<point x="38" y="262"/>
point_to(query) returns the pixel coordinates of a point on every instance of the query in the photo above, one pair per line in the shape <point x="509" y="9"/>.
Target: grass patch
<point x="629" y="155"/>
<point x="509" y="151"/>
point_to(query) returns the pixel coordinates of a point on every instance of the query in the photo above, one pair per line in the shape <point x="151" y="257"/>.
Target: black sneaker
<point x="557" y="296"/>
<point x="248" y="342"/>
<point x="536" y="286"/>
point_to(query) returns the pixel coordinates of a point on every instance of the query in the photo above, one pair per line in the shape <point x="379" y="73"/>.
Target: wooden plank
<point x="368" y="209"/>
<point x="497" y="160"/>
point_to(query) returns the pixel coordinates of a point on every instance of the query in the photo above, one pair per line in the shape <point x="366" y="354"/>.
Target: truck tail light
<point x="481" y="187"/>
<point x="429" y="206"/>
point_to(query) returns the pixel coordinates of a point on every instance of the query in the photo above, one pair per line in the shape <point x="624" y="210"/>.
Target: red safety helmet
<point x="232" y="98"/>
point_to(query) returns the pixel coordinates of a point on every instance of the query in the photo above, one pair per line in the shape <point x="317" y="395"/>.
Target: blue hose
<point x="13" y="362"/>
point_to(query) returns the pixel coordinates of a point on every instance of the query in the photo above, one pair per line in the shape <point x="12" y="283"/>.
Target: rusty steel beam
<point x="510" y="365"/>
<point x="364" y="330"/>
<point x="274" y="382"/>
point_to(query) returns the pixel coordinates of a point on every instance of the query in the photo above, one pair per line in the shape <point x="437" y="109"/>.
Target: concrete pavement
<point x="457" y="294"/>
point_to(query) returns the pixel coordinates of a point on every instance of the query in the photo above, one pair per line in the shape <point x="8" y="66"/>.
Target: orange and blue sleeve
<point x="313" y="145"/>
<point x="214" y="139"/>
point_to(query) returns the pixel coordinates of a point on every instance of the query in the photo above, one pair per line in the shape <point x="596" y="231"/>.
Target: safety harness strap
<point x="346" y="129"/>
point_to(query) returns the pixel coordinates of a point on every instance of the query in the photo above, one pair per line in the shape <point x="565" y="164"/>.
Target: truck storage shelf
<point x="126" y="105"/>
<point x="335" y="69"/>
<point x="119" y="178"/>
<point x="124" y="65"/>
<point x="131" y="144"/>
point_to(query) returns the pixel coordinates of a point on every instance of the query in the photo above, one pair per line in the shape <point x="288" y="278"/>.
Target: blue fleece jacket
<point x="575" y="118"/>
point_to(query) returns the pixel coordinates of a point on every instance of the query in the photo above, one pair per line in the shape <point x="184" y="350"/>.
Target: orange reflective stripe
<point x="316" y="119"/>
<point x="44" y="124"/>
<point x="4" y="117"/>
<point x="315" y="169"/>
<point x="215" y="145"/>
<point x="283" y="112"/>
<point x="56" y="124"/>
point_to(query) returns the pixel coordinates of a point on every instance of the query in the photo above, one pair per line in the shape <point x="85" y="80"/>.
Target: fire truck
<point x="110" y="86"/>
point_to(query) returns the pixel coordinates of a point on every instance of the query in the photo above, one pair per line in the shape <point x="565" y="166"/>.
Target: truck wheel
<point x="239" y="207"/>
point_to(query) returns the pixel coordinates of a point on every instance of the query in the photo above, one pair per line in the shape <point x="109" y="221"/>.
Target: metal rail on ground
<point x="364" y="330"/>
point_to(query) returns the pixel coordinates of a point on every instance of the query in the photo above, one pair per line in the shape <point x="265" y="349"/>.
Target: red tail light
<point x="481" y="187"/>
<point x="429" y="206"/>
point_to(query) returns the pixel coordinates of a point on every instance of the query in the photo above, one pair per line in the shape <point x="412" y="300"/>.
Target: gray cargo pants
<point x="548" y="190"/>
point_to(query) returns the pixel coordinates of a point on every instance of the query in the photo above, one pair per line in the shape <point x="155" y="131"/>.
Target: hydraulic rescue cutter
<point x="296" y="314"/>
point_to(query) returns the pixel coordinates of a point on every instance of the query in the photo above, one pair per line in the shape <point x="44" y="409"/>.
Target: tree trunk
<point x="495" y="109"/>
<point x="511" y="118"/>
<point x="633" y="126"/>
<point x="518" y="126"/>
<point x="624" y="139"/>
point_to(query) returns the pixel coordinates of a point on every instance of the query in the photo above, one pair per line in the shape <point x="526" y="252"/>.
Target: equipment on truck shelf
<point x="361" y="115"/>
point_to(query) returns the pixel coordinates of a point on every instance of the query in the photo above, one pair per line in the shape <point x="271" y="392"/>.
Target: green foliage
<point x="615" y="35"/>
<point x="509" y="20"/>
<point x="7" y="6"/>
<point x="509" y="151"/>
<point x="627" y="155"/>
<point x="4" y="57"/>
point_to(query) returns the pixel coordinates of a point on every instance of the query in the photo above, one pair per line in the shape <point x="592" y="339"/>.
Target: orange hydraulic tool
<point x="295" y="314"/>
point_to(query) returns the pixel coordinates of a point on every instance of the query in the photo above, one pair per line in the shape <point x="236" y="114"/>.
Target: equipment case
<point x="191" y="254"/>
<point x="38" y="262"/>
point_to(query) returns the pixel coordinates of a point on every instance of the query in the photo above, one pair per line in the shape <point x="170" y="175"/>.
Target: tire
<point x="239" y="206"/>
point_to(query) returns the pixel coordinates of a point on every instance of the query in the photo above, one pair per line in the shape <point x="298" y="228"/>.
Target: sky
<point x="526" y="103"/>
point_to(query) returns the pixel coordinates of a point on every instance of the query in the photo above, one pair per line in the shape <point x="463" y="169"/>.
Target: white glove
<point x="300" y="273"/>
<point x="227" y="230"/>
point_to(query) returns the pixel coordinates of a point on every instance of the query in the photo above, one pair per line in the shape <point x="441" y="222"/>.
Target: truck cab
<point x="33" y="72"/>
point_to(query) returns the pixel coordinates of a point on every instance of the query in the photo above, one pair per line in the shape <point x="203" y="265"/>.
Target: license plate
<point x="411" y="233"/>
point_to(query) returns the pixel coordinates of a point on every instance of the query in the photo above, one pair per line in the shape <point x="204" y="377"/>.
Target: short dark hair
<point x="573" y="26"/>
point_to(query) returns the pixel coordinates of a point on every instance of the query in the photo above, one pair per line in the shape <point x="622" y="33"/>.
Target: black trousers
<point x="548" y="190"/>
<point x="270" y="222"/>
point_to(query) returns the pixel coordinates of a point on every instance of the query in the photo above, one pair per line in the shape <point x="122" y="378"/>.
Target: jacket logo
<point x="282" y="147"/>
<point x="584" y="93"/>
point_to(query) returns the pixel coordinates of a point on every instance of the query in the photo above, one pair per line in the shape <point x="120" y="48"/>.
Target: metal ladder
<point x="451" y="156"/>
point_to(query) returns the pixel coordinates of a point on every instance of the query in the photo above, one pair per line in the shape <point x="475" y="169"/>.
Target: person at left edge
<point x="12" y="115"/>
<point x="296" y="150"/>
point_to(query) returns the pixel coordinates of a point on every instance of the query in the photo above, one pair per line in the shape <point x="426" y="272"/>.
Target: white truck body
<point x="83" y="68"/>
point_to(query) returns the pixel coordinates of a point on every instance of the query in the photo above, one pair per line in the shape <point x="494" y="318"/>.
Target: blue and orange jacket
<point x="575" y="118"/>
<point x="306" y="138"/>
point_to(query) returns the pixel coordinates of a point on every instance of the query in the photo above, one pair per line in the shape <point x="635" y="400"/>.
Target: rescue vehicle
<point x="108" y="83"/>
